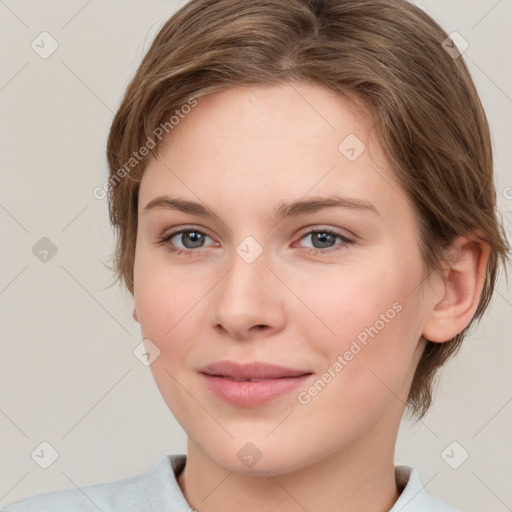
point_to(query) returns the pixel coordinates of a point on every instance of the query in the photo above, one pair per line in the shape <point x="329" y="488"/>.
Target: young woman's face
<point x="256" y="269"/>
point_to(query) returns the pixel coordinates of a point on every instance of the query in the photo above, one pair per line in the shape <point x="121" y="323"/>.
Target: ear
<point x="135" y="317"/>
<point x="463" y="284"/>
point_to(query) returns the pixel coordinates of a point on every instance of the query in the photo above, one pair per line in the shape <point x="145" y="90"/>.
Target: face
<point x="330" y="291"/>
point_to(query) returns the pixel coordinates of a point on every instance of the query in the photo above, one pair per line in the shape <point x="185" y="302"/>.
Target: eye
<point x="322" y="240"/>
<point x="191" y="239"/>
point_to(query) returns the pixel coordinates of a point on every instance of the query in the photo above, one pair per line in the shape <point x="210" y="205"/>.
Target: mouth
<point x="251" y="379"/>
<point x="253" y="384"/>
<point x="254" y="371"/>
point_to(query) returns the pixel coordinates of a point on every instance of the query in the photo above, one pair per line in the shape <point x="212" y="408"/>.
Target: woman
<point x="306" y="217"/>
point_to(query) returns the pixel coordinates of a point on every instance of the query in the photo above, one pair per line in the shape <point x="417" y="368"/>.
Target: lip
<point x="273" y="381"/>
<point x="255" y="370"/>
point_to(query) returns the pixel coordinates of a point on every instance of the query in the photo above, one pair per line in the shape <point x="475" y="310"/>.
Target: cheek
<point x="172" y="308"/>
<point x="162" y="296"/>
<point x="361" y="379"/>
<point x="374" y="329"/>
<point x="350" y="298"/>
<point x="167" y="308"/>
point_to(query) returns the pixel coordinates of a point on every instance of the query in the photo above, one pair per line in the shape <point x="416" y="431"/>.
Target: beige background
<point x="69" y="376"/>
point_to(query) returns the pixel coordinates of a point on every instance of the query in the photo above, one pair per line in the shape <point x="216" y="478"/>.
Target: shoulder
<point x="414" y="496"/>
<point x="108" y="496"/>
<point x="136" y="493"/>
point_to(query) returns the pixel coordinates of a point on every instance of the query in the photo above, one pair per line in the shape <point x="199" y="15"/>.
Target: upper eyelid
<point x="318" y="227"/>
<point x="179" y="231"/>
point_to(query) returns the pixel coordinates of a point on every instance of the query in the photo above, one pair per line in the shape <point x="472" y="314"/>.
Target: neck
<point x="357" y="478"/>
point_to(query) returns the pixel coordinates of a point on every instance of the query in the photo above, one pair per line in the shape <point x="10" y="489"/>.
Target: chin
<point x="253" y="459"/>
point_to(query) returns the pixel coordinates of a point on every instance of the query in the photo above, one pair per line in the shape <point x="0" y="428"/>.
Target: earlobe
<point x="134" y="314"/>
<point x="463" y="285"/>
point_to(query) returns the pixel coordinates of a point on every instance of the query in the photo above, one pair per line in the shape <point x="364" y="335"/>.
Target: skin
<point x="241" y="152"/>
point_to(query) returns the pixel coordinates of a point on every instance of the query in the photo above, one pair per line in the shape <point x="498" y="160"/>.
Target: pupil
<point x="324" y="237"/>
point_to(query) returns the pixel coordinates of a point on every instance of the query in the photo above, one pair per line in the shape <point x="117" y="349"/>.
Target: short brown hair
<point x="388" y="55"/>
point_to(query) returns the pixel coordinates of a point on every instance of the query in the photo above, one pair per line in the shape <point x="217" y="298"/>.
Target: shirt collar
<point x="413" y="496"/>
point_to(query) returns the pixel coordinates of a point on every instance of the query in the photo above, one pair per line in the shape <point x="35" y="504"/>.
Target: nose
<point x="249" y="300"/>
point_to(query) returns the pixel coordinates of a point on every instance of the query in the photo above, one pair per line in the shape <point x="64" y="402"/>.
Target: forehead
<point x="258" y="145"/>
<point x="308" y="112"/>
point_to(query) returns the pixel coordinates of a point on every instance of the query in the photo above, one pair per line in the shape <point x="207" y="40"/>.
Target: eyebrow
<point x="283" y="209"/>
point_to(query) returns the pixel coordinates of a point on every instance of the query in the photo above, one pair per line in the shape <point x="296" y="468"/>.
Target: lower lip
<point x="252" y="394"/>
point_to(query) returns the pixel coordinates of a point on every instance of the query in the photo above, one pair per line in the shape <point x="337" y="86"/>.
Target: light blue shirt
<point x="157" y="490"/>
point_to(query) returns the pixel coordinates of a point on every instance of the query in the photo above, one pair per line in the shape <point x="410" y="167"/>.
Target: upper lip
<point x="252" y="370"/>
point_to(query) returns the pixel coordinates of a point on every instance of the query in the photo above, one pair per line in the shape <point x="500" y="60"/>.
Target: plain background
<point x="69" y="376"/>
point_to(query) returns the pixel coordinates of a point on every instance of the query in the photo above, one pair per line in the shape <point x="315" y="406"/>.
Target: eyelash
<point x="191" y="252"/>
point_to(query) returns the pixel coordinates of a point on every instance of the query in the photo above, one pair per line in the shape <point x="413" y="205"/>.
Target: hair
<point x="388" y="56"/>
